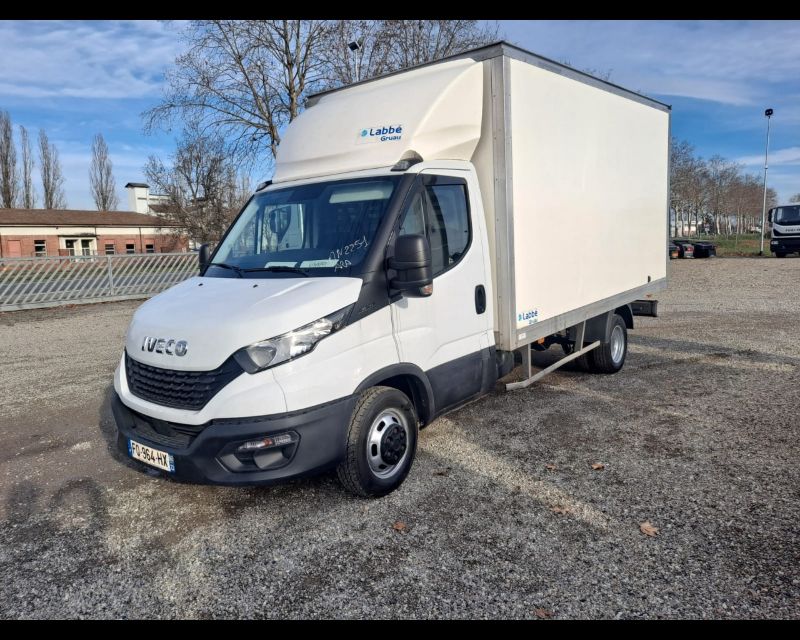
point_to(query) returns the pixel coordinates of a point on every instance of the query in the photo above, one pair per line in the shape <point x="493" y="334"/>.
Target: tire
<point x="375" y="465"/>
<point x="609" y="357"/>
<point x="780" y="254"/>
<point x="581" y="363"/>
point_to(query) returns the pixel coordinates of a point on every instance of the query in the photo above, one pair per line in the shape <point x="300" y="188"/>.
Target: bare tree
<point x="371" y="58"/>
<point x="101" y="177"/>
<point x="203" y="190"/>
<point x="418" y="41"/>
<point x="681" y="169"/>
<point x="592" y="71"/>
<point x="246" y="79"/>
<point x="243" y="80"/>
<point x="52" y="178"/>
<point x="28" y="193"/>
<point x="721" y="179"/>
<point x="9" y="176"/>
<point x="795" y="198"/>
<point x="389" y="45"/>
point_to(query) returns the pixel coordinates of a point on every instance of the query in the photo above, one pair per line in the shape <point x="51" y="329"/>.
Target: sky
<point x="76" y="79"/>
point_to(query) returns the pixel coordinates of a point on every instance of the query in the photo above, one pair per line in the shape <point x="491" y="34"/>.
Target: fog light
<point x="268" y="442"/>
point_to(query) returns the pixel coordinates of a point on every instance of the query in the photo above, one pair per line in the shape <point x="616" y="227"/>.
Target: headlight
<point x="269" y="353"/>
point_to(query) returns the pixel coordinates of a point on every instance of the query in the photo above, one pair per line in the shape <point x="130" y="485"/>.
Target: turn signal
<point x="268" y="442"/>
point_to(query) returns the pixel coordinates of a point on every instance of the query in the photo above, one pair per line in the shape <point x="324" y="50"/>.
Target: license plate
<point x="153" y="457"/>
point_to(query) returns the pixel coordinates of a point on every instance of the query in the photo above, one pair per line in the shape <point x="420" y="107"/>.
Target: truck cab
<point x="785" y="236"/>
<point x="318" y="291"/>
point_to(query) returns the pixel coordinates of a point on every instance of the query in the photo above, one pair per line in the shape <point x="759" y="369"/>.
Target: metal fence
<point x="28" y="283"/>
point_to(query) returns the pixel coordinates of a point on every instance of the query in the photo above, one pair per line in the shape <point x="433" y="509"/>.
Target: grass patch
<point x="747" y="245"/>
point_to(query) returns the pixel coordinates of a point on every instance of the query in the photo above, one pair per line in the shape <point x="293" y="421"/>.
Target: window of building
<point x="149" y="248"/>
<point x="130" y="248"/>
<point x="39" y="248"/>
<point x="440" y="211"/>
<point x="110" y="249"/>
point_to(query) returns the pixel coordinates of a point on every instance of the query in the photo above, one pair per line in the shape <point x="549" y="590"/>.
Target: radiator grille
<point x="179" y="389"/>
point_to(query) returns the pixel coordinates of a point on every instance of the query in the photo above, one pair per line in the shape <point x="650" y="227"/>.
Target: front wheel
<point x="610" y="355"/>
<point x="780" y="254"/>
<point x="381" y="443"/>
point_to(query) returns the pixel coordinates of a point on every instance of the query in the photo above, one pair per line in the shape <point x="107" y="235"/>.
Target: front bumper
<point x="784" y="245"/>
<point x="205" y="453"/>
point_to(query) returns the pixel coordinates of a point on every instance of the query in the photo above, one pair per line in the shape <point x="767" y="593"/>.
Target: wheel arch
<point x="409" y="379"/>
<point x="626" y="313"/>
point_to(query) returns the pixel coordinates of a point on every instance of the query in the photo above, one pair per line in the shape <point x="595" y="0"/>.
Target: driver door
<point x="445" y="333"/>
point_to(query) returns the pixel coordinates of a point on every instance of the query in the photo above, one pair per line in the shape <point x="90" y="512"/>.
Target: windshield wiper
<point x="282" y="267"/>
<point x="232" y="267"/>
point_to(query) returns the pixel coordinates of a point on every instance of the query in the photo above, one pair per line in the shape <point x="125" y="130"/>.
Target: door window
<point x="448" y="225"/>
<point x="440" y="212"/>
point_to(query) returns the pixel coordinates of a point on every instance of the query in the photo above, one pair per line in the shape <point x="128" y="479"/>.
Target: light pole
<point x="355" y="45"/>
<point x="767" y="113"/>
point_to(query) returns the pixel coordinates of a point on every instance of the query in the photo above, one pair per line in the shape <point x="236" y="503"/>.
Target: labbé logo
<point x="384" y="133"/>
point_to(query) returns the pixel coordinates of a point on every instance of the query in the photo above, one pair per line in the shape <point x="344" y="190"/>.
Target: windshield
<point x="314" y="229"/>
<point x="787" y="215"/>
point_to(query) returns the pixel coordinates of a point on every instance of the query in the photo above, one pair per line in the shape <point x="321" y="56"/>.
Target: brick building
<point x="63" y="232"/>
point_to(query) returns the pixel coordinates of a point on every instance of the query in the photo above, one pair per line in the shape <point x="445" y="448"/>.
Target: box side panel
<point x="589" y="187"/>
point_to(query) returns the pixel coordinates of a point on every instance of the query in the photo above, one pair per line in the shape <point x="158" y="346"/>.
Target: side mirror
<point x="412" y="261"/>
<point x="203" y="257"/>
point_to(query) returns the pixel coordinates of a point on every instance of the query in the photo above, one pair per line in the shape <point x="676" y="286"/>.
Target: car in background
<point x="685" y="247"/>
<point x="704" y="249"/>
<point x="672" y="250"/>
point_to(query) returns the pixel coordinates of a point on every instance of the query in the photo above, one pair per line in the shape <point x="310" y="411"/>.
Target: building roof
<point x="137" y="184"/>
<point x="75" y="218"/>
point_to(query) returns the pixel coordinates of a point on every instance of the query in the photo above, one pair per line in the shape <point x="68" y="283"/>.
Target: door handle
<point x="480" y="299"/>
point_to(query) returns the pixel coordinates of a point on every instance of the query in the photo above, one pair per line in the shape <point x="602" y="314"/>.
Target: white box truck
<point x="785" y="234"/>
<point x="420" y="228"/>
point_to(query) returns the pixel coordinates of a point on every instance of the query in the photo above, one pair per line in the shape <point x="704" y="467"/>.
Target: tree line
<point x="17" y="181"/>
<point x="714" y="195"/>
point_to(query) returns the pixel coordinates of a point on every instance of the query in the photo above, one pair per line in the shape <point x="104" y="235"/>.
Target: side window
<point x="448" y="225"/>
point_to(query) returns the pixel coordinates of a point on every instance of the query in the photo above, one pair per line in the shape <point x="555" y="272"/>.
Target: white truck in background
<point x="785" y="234"/>
<point x="419" y="229"/>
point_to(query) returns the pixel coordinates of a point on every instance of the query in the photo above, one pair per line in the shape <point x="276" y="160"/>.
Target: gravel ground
<point x="504" y="515"/>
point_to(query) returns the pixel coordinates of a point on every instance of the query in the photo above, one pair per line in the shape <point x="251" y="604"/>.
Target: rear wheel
<point x="610" y="355"/>
<point x="381" y="443"/>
